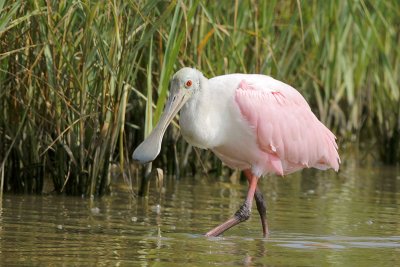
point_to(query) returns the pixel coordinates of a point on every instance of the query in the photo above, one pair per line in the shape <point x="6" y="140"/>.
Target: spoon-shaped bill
<point x="149" y="149"/>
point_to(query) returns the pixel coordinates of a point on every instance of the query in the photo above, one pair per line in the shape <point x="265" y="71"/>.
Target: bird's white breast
<point x="203" y="117"/>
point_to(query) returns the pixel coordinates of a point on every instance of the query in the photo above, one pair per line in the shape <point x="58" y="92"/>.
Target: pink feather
<point x="286" y="129"/>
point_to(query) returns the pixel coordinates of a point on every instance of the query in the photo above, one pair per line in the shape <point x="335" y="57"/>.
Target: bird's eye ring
<point x="188" y="83"/>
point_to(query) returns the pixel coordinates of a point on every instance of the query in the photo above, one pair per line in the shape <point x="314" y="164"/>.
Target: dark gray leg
<point x="262" y="210"/>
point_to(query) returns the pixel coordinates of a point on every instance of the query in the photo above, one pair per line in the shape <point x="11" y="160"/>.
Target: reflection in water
<point x="315" y="218"/>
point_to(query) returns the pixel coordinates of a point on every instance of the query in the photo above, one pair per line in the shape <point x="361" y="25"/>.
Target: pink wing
<point x="286" y="128"/>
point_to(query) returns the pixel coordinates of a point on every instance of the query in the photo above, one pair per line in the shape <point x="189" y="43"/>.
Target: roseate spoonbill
<point x="251" y="122"/>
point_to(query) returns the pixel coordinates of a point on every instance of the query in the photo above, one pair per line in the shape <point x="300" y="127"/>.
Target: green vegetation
<point x="82" y="81"/>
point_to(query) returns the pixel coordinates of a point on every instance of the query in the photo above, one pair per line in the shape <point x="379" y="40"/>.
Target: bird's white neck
<point x="199" y="123"/>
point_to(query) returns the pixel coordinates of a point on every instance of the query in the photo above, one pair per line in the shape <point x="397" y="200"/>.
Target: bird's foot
<point x="241" y="215"/>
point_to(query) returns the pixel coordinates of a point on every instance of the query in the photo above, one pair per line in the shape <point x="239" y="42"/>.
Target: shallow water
<point x="316" y="219"/>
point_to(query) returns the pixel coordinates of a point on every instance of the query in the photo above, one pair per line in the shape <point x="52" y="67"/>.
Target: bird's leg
<point x="243" y="212"/>
<point x="262" y="210"/>
<point x="260" y="202"/>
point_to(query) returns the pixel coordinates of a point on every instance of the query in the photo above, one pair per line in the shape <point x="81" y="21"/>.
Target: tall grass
<point x="67" y="70"/>
<point x="82" y="82"/>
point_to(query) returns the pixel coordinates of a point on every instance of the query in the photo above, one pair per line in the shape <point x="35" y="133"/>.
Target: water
<point x="316" y="219"/>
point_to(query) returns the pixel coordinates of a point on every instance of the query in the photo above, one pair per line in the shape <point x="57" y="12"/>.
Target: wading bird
<point x="251" y="122"/>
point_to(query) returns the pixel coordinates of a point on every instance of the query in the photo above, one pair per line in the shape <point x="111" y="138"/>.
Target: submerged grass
<point x="83" y="81"/>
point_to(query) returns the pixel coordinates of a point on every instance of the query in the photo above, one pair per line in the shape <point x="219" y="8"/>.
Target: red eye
<point x="188" y="83"/>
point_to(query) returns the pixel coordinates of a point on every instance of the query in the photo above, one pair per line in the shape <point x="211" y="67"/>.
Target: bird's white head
<point x="184" y="84"/>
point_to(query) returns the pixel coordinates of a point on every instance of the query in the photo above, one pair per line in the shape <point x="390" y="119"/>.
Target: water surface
<point x="316" y="219"/>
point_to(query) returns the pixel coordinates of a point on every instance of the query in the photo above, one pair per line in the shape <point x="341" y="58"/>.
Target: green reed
<point x="82" y="82"/>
